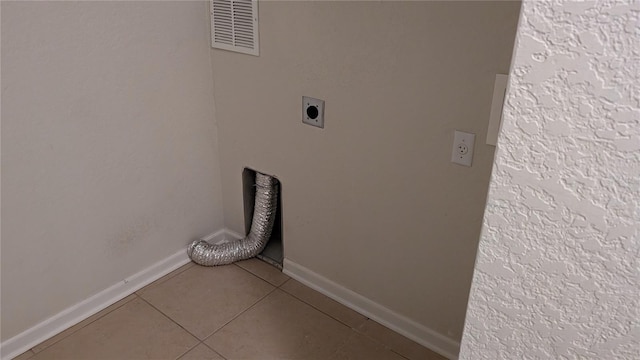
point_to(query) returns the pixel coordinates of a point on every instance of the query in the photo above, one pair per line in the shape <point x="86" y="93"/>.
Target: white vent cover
<point x="234" y="26"/>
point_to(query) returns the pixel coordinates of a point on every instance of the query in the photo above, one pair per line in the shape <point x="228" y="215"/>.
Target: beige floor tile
<point x="201" y="352"/>
<point x="398" y="343"/>
<point x="203" y="299"/>
<point x="166" y="277"/>
<point x="133" y="331"/>
<point x="361" y="347"/>
<point x="324" y="303"/>
<point x="24" y="356"/>
<point x="280" y="327"/>
<point x="264" y="271"/>
<point x="45" y="344"/>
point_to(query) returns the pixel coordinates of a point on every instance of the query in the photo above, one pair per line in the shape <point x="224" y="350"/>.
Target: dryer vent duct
<point x="264" y="214"/>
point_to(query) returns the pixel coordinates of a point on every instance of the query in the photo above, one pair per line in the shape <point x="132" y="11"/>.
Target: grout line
<point x="239" y="314"/>
<point x="212" y="349"/>
<point x="385" y="343"/>
<point x="191" y="348"/>
<point x="377" y="341"/>
<point x="81" y="327"/>
<point x="33" y="353"/>
<point x="235" y="263"/>
<point x="322" y="311"/>
<point x="208" y="336"/>
<point x="355" y="333"/>
<point x="164" y="279"/>
<point x="155" y="283"/>
<point x="168" y="317"/>
<point x="397" y="353"/>
<point x="281" y="285"/>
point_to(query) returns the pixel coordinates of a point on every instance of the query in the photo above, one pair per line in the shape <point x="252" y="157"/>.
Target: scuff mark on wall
<point x="136" y="231"/>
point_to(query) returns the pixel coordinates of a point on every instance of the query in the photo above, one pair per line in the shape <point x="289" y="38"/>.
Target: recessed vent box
<point x="273" y="253"/>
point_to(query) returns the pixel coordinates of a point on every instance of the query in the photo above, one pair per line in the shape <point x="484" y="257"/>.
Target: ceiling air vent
<point x="234" y="26"/>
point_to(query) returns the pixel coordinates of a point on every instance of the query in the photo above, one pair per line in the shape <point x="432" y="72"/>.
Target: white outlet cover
<point x="313" y="111"/>
<point x="462" y="152"/>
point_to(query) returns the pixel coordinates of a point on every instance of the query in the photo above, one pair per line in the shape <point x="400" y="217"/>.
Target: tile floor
<point x="248" y="310"/>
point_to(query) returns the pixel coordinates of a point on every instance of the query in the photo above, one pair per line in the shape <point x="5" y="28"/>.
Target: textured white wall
<point x="558" y="272"/>
<point x="109" y="155"/>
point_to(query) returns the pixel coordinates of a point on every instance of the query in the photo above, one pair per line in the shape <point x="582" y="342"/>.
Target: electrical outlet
<point x="463" y="148"/>
<point x="313" y="111"/>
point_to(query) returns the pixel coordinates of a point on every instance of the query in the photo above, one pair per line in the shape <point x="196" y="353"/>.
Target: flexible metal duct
<point x="264" y="214"/>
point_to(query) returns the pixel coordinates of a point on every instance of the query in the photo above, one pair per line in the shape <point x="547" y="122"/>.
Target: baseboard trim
<point x="76" y="313"/>
<point x="387" y="317"/>
<point x="222" y="236"/>
<point x="218" y="237"/>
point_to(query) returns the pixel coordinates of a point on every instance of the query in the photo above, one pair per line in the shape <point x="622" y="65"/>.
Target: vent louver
<point x="234" y="26"/>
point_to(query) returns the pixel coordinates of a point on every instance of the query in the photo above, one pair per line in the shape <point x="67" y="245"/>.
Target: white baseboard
<point x="222" y="236"/>
<point x="394" y="321"/>
<point x="75" y="314"/>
